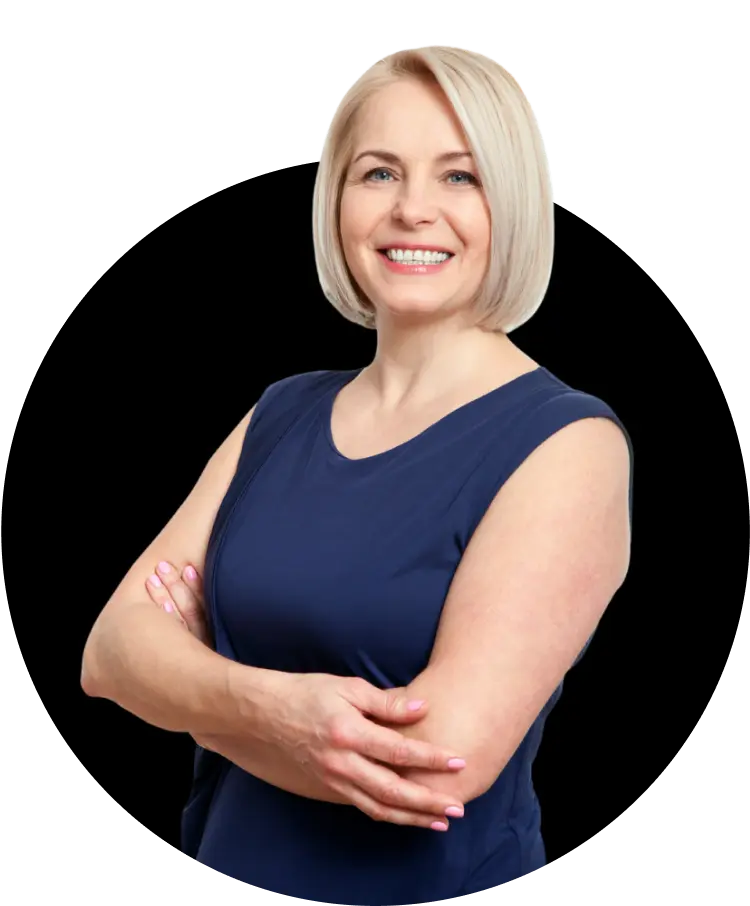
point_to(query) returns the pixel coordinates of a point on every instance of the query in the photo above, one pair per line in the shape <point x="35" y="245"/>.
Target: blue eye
<point x="472" y="180"/>
<point x="369" y="174"/>
<point x="383" y="174"/>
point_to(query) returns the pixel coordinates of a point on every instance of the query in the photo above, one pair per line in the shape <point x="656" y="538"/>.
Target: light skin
<point x="554" y="545"/>
<point x="430" y="357"/>
<point x="180" y="593"/>
<point x="507" y="625"/>
<point x="548" y="555"/>
<point x="307" y="733"/>
<point x="530" y="589"/>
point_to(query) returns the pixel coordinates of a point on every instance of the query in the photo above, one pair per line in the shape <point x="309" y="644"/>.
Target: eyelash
<point x="474" y="180"/>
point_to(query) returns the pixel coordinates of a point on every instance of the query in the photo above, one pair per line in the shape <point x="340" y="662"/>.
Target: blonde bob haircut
<point x="504" y="138"/>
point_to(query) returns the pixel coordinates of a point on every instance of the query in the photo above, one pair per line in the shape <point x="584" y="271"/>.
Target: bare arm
<point x="265" y="764"/>
<point x="534" y="581"/>
<point x="299" y="732"/>
<point x="147" y="662"/>
<point x="261" y="755"/>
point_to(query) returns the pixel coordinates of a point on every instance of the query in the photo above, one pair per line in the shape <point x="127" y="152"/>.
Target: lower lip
<point x="415" y="269"/>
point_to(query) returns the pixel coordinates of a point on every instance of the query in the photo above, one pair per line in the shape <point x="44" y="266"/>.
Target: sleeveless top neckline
<point x="516" y="384"/>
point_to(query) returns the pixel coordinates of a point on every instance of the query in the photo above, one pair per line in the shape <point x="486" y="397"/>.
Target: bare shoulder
<point x="549" y="552"/>
<point x="594" y="447"/>
<point x="571" y="490"/>
<point x="585" y="464"/>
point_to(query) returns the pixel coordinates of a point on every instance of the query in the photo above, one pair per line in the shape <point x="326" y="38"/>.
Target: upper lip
<point x="409" y="245"/>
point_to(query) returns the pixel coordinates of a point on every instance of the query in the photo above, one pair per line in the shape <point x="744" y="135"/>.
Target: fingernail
<point x="190" y="573"/>
<point x="155" y="581"/>
<point x="164" y="567"/>
<point x="454" y="811"/>
<point x="415" y="706"/>
<point x="439" y="825"/>
<point x="456" y="763"/>
<point x="168" y="607"/>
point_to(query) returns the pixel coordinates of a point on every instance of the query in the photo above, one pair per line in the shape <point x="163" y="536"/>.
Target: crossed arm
<point x="534" y="581"/>
<point x="531" y="587"/>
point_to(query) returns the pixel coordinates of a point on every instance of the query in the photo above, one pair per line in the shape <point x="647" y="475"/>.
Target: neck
<point x="415" y="365"/>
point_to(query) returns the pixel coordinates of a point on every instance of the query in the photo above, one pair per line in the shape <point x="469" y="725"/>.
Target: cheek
<point x="467" y="214"/>
<point x="360" y="213"/>
<point x="476" y="228"/>
<point x="352" y="218"/>
<point x="348" y="228"/>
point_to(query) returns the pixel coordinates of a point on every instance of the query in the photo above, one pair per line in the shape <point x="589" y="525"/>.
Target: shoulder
<point x="570" y="474"/>
<point x="563" y="514"/>
<point x="559" y="426"/>
<point x="290" y="392"/>
<point x="296" y="387"/>
<point x="294" y="384"/>
<point x="589" y="453"/>
<point x="568" y="459"/>
<point x="572" y="440"/>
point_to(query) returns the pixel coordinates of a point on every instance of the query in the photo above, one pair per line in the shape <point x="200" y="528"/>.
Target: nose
<point x="415" y="202"/>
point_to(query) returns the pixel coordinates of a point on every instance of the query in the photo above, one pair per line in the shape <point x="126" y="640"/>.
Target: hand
<point x="316" y="723"/>
<point x="341" y="759"/>
<point x="180" y="593"/>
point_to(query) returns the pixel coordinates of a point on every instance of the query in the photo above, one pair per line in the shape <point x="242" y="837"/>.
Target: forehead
<point x="409" y="116"/>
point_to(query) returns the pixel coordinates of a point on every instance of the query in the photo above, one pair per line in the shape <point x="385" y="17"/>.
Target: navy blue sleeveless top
<point x="320" y="563"/>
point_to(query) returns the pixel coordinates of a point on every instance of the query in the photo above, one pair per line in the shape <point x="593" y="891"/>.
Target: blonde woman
<point x="445" y="525"/>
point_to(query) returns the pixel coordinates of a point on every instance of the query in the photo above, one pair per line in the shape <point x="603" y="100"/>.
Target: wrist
<point x="254" y="694"/>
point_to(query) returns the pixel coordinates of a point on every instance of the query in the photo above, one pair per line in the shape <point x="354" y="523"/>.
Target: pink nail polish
<point x="164" y="567"/>
<point x="439" y="826"/>
<point x="453" y="811"/>
<point x="168" y="607"/>
<point x="456" y="763"/>
<point x="190" y="573"/>
<point x="415" y="706"/>
<point x="155" y="581"/>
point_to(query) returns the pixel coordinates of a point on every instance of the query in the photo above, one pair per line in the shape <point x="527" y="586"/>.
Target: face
<point x="413" y="185"/>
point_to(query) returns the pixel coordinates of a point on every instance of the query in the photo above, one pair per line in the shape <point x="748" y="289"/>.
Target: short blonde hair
<point x="503" y="136"/>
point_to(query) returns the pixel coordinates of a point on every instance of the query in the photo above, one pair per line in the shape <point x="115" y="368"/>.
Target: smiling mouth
<point x="427" y="259"/>
<point x="418" y="268"/>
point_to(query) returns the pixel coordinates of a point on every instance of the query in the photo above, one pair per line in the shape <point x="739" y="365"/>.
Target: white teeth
<point x="416" y="255"/>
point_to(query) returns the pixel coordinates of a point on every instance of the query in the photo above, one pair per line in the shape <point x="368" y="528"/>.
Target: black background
<point x="190" y="256"/>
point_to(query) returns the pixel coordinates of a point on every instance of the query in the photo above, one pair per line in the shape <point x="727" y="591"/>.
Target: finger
<point x="193" y="581"/>
<point x="395" y="792"/>
<point x="380" y="812"/>
<point x="160" y="595"/>
<point x="187" y="603"/>
<point x="389" y="746"/>
<point x="393" y="705"/>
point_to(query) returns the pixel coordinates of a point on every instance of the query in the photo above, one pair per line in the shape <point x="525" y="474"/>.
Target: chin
<point x="414" y="307"/>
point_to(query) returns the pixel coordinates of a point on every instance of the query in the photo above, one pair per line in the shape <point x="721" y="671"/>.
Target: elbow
<point x="87" y="682"/>
<point x="466" y="784"/>
<point x="474" y="780"/>
<point x="91" y="679"/>
<point x="480" y="782"/>
<point x="480" y="774"/>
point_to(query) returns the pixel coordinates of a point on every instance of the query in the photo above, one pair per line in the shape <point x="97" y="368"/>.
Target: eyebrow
<point x="395" y="159"/>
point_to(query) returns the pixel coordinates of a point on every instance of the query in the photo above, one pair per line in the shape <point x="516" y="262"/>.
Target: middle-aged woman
<point x="446" y="524"/>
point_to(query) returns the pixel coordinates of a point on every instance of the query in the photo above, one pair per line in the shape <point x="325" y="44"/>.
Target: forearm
<point x="148" y="663"/>
<point x="265" y="763"/>
<point x="260" y="751"/>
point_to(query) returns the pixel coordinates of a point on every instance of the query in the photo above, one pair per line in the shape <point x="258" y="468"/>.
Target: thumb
<point x="391" y="705"/>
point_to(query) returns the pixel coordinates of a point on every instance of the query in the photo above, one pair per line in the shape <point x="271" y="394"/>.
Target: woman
<point x="447" y="524"/>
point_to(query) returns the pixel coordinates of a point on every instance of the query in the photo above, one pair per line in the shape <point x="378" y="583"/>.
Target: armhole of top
<point x="555" y="413"/>
<point x="277" y="399"/>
